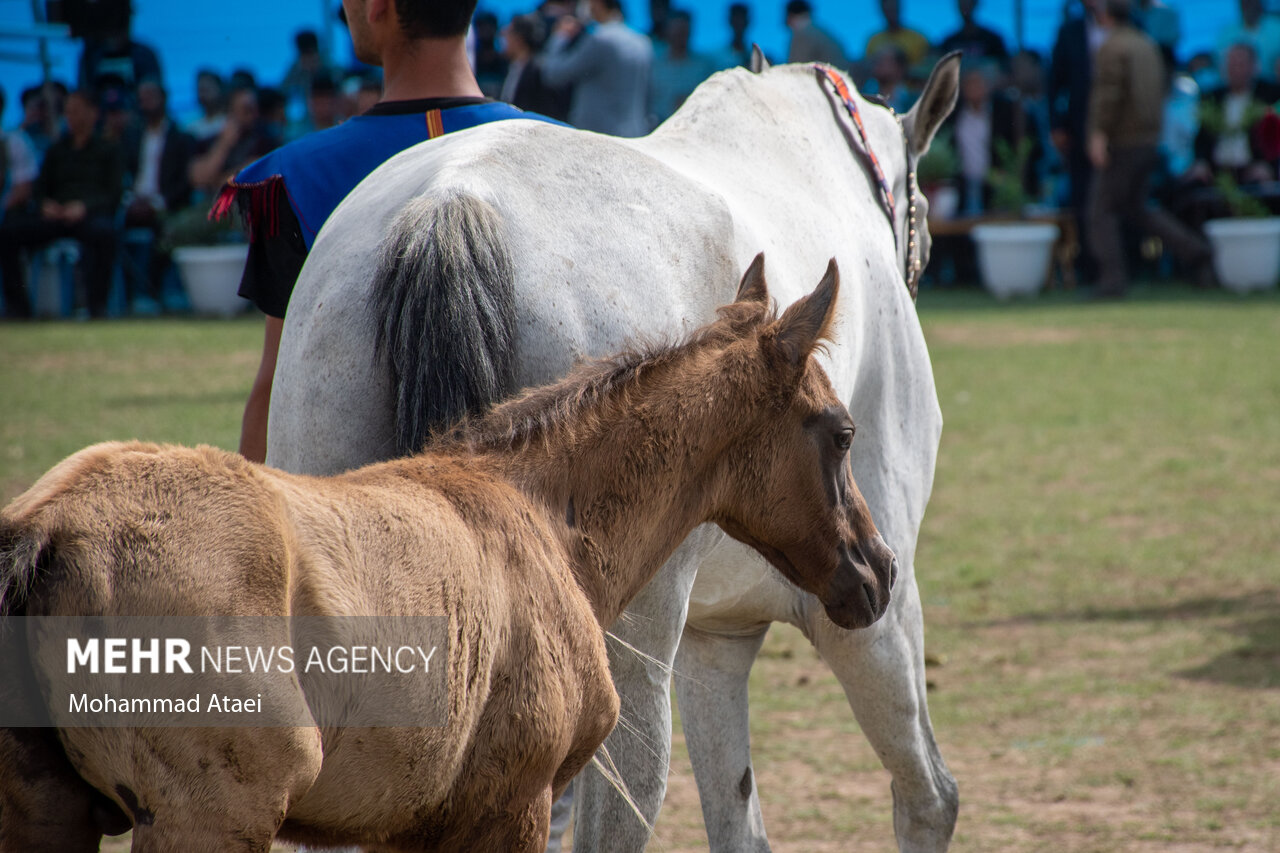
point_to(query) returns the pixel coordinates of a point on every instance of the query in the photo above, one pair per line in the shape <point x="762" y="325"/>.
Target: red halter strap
<point x="846" y="97"/>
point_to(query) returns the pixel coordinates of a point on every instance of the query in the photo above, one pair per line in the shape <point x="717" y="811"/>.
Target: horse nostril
<point x="869" y="594"/>
<point x="893" y="573"/>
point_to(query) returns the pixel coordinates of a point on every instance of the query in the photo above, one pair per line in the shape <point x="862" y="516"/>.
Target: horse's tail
<point x="444" y="298"/>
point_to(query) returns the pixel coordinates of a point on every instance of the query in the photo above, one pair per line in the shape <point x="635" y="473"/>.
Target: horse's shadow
<point x="1254" y="618"/>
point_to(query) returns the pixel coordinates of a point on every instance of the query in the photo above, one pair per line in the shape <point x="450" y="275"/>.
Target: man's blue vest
<point x="316" y="172"/>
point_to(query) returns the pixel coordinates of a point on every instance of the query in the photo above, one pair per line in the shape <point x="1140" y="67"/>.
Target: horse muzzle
<point x="859" y="593"/>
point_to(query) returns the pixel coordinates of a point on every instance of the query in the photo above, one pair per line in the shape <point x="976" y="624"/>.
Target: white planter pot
<point x="1014" y="257"/>
<point x="211" y="276"/>
<point x="1246" y="252"/>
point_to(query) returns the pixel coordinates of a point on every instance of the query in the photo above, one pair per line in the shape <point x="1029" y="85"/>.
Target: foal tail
<point x="444" y="296"/>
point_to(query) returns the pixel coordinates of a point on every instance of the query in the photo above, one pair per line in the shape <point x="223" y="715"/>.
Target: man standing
<point x="76" y="194"/>
<point x="286" y="196"/>
<point x="1126" y="109"/>
<point x="608" y="68"/>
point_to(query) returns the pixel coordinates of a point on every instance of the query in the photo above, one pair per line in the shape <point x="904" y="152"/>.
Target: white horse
<point x="585" y="242"/>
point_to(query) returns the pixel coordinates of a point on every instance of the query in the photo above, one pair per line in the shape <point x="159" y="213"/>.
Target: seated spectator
<point x="975" y="41"/>
<point x="1228" y="141"/>
<point x="18" y="170"/>
<point x="809" y="42"/>
<point x="888" y="80"/>
<point x="490" y="63"/>
<point x="990" y="127"/>
<point x="738" y="51"/>
<point x="273" y="113"/>
<point x="244" y="138"/>
<point x="76" y="193"/>
<point x="1257" y="29"/>
<point x="119" y="117"/>
<point x="211" y="94"/>
<point x="677" y="71"/>
<point x="522" y="38"/>
<point x="608" y="68"/>
<point x="912" y="43"/>
<point x="308" y="65"/>
<point x="42" y="116"/>
<point x="157" y="156"/>
<point x="323" y="107"/>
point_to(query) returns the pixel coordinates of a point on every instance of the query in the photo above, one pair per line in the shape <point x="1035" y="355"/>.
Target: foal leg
<point x="882" y="671"/>
<point x="640" y="744"/>
<point x="711" y="687"/>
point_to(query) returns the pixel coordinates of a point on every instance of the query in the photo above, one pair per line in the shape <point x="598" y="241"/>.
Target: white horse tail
<point x="444" y="299"/>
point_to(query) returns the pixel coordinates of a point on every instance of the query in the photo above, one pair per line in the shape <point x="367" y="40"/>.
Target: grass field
<point x="1100" y="567"/>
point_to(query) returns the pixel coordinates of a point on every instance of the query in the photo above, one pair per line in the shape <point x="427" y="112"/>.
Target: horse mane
<point x="569" y="404"/>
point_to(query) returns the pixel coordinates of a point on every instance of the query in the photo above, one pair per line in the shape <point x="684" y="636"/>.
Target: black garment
<point x="532" y="94"/>
<point x="175" y="162"/>
<point x="275" y="260"/>
<point x="93" y="174"/>
<point x="1070" y="82"/>
<point x="103" y="64"/>
<point x="978" y="44"/>
<point x="1264" y="94"/>
<point x="97" y="238"/>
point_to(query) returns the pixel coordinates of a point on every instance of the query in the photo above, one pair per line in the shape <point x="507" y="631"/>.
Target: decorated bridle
<point x="913" y="265"/>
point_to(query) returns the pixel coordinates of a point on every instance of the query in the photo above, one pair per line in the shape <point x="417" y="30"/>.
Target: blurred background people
<point x="76" y="195"/>
<point x="608" y="67"/>
<point x="524" y="87"/>
<point x="809" y="42"/>
<point x="912" y="43"/>
<point x="676" y="71"/>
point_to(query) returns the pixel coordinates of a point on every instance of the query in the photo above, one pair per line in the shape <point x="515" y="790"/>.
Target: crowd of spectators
<point x="105" y="156"/>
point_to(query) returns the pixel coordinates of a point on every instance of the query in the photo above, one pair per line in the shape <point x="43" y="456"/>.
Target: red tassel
<point x="259" y="205"/>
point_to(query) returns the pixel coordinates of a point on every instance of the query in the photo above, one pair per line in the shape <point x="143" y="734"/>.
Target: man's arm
<point x="563" y="63"/>
<point x="253" y="428"/>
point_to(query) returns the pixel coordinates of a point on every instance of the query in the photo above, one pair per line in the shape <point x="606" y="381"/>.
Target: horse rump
<point x="444" y="303"/>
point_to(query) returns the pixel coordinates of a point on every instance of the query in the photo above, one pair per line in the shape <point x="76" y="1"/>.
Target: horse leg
<point x="640" y="744"/>
<point x="711" y="687"/>
<point x="882" y="671"/>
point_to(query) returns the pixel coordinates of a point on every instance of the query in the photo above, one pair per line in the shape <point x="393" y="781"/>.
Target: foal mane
<point x="563" y="407"/>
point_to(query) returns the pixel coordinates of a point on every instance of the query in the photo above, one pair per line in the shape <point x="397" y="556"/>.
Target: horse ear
<point x="758" y="62"/>
<point x="752" y="288"/>
<point x="808" y="321"/>
<point x="936" y="102"/>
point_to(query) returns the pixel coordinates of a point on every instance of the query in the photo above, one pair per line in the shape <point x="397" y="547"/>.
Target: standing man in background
<point x="608" y="68"/>
<point x="1126" y="110"/>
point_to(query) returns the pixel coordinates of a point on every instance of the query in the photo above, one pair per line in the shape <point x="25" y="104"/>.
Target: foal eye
<point x="844" y="439"/>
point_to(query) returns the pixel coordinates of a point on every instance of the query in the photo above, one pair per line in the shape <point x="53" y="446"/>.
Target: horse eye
<point x="844" y="439"/>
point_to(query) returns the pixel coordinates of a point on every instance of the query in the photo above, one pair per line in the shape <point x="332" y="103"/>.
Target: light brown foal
<point x="527" y="531"/>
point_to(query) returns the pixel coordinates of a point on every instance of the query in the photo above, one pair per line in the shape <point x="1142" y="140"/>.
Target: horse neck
<point x="630" y="479"/>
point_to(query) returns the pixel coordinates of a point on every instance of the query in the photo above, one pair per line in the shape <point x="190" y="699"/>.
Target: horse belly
<point x="736" y="591"/>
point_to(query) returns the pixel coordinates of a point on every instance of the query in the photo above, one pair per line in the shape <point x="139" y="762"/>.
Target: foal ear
<point x="808" y="321"/>
<point x="758" y="62"/>
<point x="752" y="288"/>
<point x="937" y="100"/>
